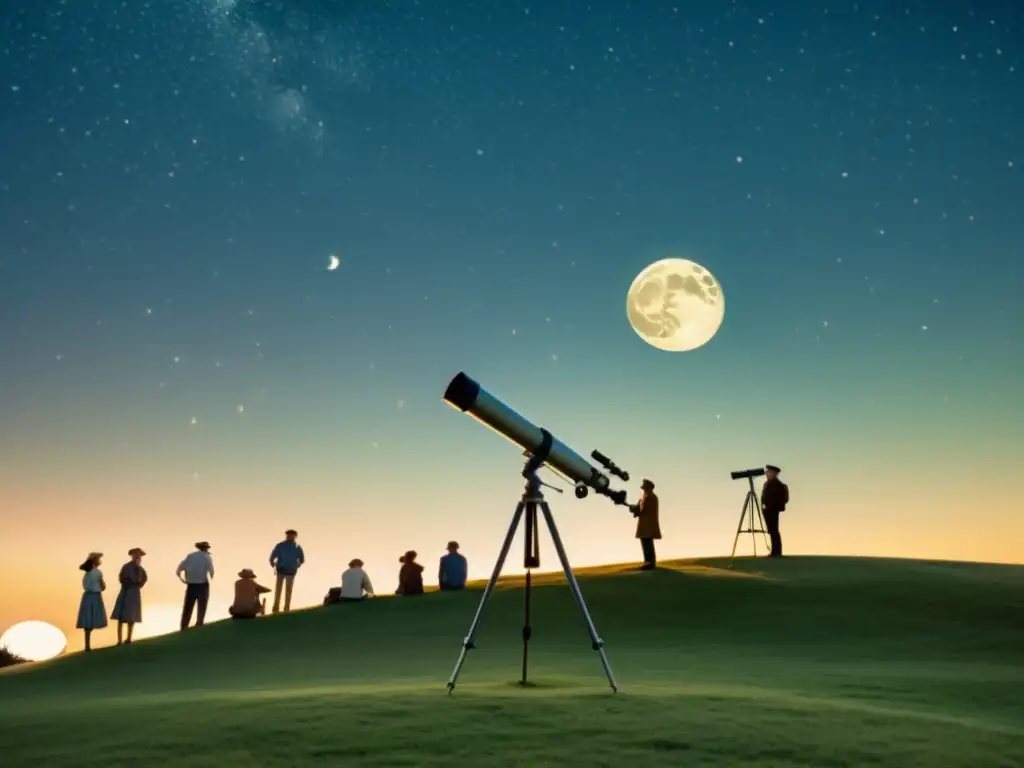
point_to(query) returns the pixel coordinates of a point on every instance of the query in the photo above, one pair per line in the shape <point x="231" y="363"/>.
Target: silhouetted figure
<point x="286" y="559"/>
<point x="128" y="606"/>
<point x="247" y="604"/>
<point x="195" y="572"/>
<point x="355" y="584"/>
<point x="774" y="498"/>
<point x="410" y="576"/>
<point x="91" y="612"/>
<point x="453" y="569"/>
<point x="647" y="526"/>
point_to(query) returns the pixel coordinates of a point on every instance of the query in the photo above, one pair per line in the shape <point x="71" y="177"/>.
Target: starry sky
<point x="177" y="363"/>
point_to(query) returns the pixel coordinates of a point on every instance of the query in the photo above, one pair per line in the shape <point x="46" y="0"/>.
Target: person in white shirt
<point x="91" y="612"/>
<point x="355" y="584"/>
<point x="195" y="572"/>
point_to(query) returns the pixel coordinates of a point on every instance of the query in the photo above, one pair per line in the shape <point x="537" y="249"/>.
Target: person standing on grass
<point x="410" y="577"/>
<point x="128" y="606"/>
<point x="453" y="569"/>
<point x="286" y="559"/>
<point x="647" y="526"/>
<point x="774" y="498"/>
<point x="195" y="572"/>
<point x="91" y="613"/>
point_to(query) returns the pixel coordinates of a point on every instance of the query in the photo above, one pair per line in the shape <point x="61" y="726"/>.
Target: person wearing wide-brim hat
<point x="774" y="498"/>
<point x="355" y="583"/>
<point x="91" y="612"/>
<point x="410" y="576"/>
<point x="128" y="606"/>
<point x="195" y="572"/>
<point x="248" y="604"/>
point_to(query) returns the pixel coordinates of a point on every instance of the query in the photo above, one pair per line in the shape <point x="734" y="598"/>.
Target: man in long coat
<point x="647" y="527"/>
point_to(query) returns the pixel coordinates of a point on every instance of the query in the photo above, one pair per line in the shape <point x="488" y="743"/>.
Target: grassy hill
<point x="796" y="662"/>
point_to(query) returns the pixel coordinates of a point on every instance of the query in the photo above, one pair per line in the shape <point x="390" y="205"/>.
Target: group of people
<point x="196" y="570"/>
<point x="287" y="557"/>
<point x="452" y="573"/>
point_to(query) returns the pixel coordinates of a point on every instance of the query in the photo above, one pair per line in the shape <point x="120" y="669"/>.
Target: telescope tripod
<point x="531" y="501"/>
<point x="752" y="515"/>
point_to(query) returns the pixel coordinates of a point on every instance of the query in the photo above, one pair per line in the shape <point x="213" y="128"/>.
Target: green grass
<point x="797" y="662"/>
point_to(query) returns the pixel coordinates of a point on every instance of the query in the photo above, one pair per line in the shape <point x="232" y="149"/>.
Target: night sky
<point x="176" y="362"/>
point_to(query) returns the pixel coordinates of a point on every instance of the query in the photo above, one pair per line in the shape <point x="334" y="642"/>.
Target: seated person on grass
<point x="248" y="604"/>
<point x="410" y="577"/>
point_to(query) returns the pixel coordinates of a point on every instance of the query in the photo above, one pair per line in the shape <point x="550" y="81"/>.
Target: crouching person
<point x="248" y="604"/>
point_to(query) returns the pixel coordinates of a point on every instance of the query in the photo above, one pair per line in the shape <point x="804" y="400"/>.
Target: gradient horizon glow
<point x="177" y="363"/>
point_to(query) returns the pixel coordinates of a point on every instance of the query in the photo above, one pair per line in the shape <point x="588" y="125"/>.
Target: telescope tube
<point x="469" y="397"/>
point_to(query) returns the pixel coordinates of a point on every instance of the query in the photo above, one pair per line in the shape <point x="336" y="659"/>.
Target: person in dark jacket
<point x="410" y="577"/>
<point x="286" y="559"/>
<point x="774" y="498"/>
<point x="453" y="569"/>
<point x="648" y="527"/>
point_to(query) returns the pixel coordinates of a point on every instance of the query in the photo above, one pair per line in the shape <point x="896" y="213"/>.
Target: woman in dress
<point x="128" y="606"/>
<point x="410" y="577"/>
<point x="91" y="612"/>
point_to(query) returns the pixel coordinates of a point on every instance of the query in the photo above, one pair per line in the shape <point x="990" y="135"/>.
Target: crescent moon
<point x="333" y="263"/>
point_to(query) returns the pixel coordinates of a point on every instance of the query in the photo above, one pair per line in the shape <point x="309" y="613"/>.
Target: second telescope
<point x="469" y="397"/>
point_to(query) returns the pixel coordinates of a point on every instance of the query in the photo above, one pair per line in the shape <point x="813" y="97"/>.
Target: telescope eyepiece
<point x="581" y="491"/>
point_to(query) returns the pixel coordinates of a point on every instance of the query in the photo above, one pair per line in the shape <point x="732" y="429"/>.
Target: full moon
<point x="675" y="305"/>
<point x="34" y="640"/>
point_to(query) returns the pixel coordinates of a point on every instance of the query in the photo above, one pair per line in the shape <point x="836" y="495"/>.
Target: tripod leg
<point x="760" y="517"/>
<point x="531" y="559"/>
<point x="739" y="530"/>
<point x="469" y="642"/>
<point x="595" y="641"/>
<point x="751" y="502"/>
<point x="527" y="631"/>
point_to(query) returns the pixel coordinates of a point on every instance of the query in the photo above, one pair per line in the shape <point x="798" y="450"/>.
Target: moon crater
<point x="675" y="305"/>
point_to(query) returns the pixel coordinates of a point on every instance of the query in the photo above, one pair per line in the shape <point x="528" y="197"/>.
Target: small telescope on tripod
<point x="542" y="449"/>
<point x="751" y="515"/>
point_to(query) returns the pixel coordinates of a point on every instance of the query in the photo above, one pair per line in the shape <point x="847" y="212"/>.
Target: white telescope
<point x="469" y="397"/>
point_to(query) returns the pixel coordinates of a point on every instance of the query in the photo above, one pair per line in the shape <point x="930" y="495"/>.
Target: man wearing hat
<point x="647" y="526"/>
<point x="248" y="604"/>
<point x="195" y="572"/>
<point x="453" y="569"/>
<point x="774" y="498"/>
<point x="286" y="559"/>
